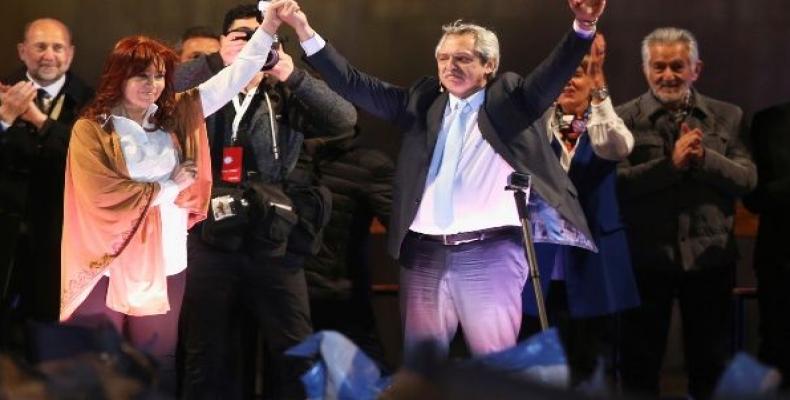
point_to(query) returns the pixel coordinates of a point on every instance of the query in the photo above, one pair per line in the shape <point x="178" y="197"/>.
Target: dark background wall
<point x="744" y="43"/>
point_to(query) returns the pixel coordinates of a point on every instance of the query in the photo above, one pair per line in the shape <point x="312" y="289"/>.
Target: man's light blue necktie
<point x="444" y="165"/>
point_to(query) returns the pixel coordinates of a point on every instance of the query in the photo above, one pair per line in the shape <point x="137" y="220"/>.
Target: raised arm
<point x="544" y="83"/>
<point x="377" y="97"/>
<point x="317" y="111"/>
<point x="610" y="138"/>
<point x="217" y="91"/>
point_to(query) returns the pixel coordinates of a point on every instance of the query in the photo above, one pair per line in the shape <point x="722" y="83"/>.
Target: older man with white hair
<point x="678" y="190"/>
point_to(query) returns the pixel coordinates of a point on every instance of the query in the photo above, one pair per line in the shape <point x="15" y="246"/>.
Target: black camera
<point x="273" y="57"/>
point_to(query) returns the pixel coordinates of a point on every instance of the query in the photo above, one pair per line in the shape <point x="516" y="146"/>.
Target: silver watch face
<point x="600" y="93"/>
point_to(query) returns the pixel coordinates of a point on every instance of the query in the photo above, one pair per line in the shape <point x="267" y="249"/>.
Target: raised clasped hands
<point x="293" y="15"/>
<point x="280" y="11"/>
<point x="587" y="10"/>
<point x="16" y="99"/>
<point x="688" y="148"/>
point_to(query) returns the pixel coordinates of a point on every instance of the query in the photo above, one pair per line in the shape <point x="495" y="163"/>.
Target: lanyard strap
<point x="241" y="109"/>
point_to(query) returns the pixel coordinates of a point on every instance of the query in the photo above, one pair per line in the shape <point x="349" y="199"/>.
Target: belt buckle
<point x="449" y="242"/>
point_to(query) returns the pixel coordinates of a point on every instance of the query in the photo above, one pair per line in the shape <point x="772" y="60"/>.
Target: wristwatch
<point x="600" y="93"/>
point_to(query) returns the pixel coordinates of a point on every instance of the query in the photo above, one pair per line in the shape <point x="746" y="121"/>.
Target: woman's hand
<point x="184" y="174"/>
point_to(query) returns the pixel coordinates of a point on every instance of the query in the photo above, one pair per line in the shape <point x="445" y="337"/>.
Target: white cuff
<point x="313" y="45"/>
<point x="168" y="191"/>
<point x="4" y="126"/>
<point x="584" y="33"/>
<point x="603" y="111"/>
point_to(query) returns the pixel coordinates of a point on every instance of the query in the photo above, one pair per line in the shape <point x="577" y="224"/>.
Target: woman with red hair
<point x="138" y="175"/>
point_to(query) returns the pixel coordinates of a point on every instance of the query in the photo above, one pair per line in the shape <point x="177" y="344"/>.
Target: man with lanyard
<point x="38" y="105"/>
<point x="257" y="138"/>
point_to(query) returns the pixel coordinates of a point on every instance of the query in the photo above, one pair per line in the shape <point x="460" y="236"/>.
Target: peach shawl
<point x="108" y="219"/>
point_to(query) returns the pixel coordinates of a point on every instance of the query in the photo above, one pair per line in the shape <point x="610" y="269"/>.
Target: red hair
<point x="130" y="57"/>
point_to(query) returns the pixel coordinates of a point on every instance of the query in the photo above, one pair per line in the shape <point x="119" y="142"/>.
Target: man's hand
<point x="296" y="19"/>
<point x="688" y="148"/>
<point x="15" y="100"/>
<point x="34" y="115"/>
<point x="697" y="149"/>
<point x="596" y="61"/>
<point x="587" y="12"/>
<point x="230" y="45"/>
<point x="271" y="19"/>
<point x="283" y="69"/>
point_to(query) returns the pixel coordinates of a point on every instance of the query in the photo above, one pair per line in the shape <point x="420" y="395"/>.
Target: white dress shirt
<point x="480" y="200"/>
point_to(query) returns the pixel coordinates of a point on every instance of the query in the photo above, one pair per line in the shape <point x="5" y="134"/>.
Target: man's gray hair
<point x="486" y="41"/>
<point x="668" y="35"/>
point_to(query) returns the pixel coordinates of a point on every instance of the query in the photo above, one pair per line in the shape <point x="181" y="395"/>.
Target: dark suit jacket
<point x="770" y="135"/>
<point x="32" y="169"/>
<point x="30" y="156"/>
<point x="512" y="104"/>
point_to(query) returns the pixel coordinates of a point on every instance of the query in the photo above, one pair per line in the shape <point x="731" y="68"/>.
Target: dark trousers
<point x="156" y="335"/>
<point x="222" y="288"/>
<point x="585" y="340"/>
<point x="33" y="283"/>
<point x="706" y="313"/>
<point x="773" y="297"/>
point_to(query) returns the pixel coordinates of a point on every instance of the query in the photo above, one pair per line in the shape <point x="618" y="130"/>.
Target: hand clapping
<point x="688" y="148"/>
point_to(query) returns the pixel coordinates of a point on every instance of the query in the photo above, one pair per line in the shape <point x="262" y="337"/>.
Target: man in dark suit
<point x="453" y="226"/>
<point x="678" y="189"/>
<point x="39" y="105"/>
<point x="770" y="137"/>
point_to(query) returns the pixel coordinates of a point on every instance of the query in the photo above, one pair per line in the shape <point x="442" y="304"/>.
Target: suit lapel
<point x="490" y="135"/>
<point x="434" y="122"/>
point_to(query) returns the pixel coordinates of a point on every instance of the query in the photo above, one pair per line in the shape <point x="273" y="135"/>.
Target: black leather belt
<point x="467" y="237"/>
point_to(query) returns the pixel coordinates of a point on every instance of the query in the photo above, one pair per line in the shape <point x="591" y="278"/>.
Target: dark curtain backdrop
<point x="744" y="43"/>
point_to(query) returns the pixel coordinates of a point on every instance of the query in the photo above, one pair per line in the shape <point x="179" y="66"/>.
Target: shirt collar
<point x="652" y="106"/>
<point x="118" y="113"/>
<point x="474" y="101"/>
<point x="53" y="88"/>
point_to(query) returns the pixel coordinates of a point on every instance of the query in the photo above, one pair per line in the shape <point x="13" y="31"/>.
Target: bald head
<point x="46" y="50"/>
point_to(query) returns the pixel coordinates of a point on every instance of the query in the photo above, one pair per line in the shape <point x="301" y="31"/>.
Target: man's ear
<point x="20" y="49"/>
<point x="698" y="69"/>
<point x="488" y="68"/>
